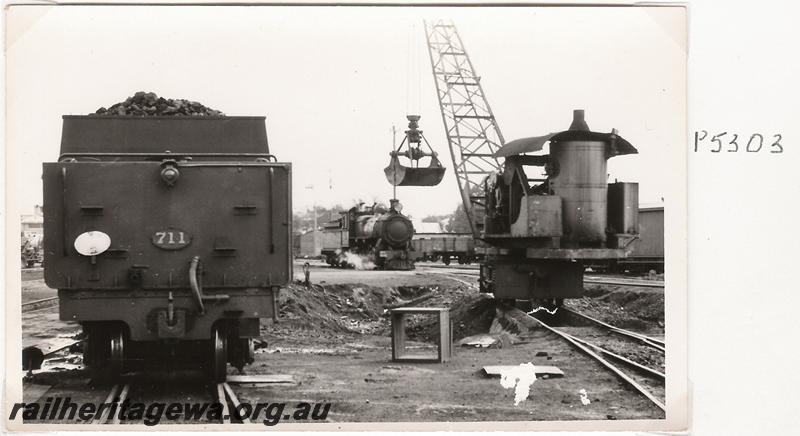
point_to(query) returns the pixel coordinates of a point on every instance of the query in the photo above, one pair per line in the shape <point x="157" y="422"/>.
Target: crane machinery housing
<point x="537" y="232"/>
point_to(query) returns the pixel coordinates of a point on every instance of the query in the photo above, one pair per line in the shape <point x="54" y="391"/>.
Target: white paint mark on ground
<point x="520" y="378"/>
<point x="584" y="397"/>
<point x="553" y="312"/>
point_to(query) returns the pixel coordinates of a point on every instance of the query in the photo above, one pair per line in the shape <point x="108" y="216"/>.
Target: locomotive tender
<point x="370" y="233"/>
<point x="167" y="237"/>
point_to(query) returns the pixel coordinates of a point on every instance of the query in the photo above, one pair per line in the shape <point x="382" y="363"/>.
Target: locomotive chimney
<point x="578" y="121"/>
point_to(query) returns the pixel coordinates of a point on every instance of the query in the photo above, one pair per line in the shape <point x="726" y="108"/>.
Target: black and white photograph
<point x="346" y="217"/>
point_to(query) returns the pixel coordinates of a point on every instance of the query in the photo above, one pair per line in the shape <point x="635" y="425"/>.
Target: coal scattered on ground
<point x="332" y="314"/>
<point x="149" y="104"/>
<point x="639" y="309"/>
<point x="625" y="307"/>
<point x="351" y="308"/>
<point x="343" y="311"/>
<point x="646" y="356"/>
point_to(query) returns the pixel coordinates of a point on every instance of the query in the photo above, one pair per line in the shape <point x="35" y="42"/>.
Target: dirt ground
<point x="344" y="356"/>
<point x="33" y="287"/>
<point x="333" y="338"/>
<point x="42" y="328"/>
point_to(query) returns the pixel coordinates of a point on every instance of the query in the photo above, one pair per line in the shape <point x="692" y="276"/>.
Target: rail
<point x="647" y="340"/>
<point x="118" y="394"/>
<point x="221" y="392"/>
<point x="44" y="303"/>
<point x="592" y="280"/>
<point x="587" y="349"/>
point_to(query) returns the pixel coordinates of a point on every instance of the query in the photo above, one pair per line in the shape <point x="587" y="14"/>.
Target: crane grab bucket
<point x="400" y="175"/>
<point x="411" y="149"/>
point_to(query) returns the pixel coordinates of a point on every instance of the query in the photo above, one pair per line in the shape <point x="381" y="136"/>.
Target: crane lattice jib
<point x="472" y="131"/>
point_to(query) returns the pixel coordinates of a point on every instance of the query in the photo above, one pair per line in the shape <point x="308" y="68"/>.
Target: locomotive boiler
<point x="167" y="237"/>
<point x="369" y="235"/>
<point x="541" y="230"/>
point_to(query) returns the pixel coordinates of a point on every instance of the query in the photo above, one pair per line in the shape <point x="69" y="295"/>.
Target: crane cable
<point x="413" y="81"/>
<point x="412" y="78"/>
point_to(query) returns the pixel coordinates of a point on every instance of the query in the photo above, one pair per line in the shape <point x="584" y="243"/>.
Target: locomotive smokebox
<point x="392" y="228"/>
<point x="396" y="229"/>
<point x="578" y="175"/>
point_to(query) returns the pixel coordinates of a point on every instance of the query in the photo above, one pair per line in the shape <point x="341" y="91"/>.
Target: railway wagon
<point x="648" y="250"/>
<point x="444" y="246"/>
<point x="167" y="238"/>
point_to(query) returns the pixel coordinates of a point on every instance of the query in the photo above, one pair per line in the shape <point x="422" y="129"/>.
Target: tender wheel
<point x="117" y="355"/>
<point x="244" y="354"/>
<point x="219" y="355"/>
<point x="94" y="347"/>
<point x="446" y="260"/>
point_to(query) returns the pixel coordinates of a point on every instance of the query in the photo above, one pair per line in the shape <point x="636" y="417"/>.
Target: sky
<point x="332" y="81"/>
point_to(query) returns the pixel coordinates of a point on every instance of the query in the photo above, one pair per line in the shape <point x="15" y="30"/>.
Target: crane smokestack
<point x="578" y="121"/>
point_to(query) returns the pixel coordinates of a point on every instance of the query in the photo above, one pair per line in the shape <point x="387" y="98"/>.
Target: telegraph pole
<point x="394" y="148"/>
<point x="314" y="198"/>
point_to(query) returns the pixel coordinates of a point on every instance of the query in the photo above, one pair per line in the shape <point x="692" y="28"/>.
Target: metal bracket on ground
<point x="444" y="340"/>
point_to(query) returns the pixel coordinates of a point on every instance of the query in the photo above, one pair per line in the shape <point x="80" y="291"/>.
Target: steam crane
<point x="537" y="231"/>
<point x="472" y="131"/>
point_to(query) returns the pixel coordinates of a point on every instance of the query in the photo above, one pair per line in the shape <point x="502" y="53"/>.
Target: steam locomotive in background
<point x="369" y="236"/>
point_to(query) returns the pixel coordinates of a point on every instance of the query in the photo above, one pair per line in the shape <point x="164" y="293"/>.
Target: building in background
<point x="32" y="233"/>
<point x="310" y="244"/>
<point x="32" y="224"/>
<point x="421" y="227"/>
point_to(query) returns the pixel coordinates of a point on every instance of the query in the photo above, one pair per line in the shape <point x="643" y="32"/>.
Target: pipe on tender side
<point x="195" y="284"/>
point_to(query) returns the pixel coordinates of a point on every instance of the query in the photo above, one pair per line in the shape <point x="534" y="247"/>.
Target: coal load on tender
<point x="149" y="104"/>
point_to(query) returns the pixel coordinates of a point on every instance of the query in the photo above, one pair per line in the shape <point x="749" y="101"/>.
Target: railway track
<point x="37" y="305"/>
<point x="118" y="394"/>
<point x="592" y="280"/>
<point x="644" y="339"/>
<point x="222" y="393"/>
<point x="603" y="355"/>
<point x="44" y="337"/>
<point x="623" y="282"/>
<point x="453" y="276"/>
<point x="642" y="378"/>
